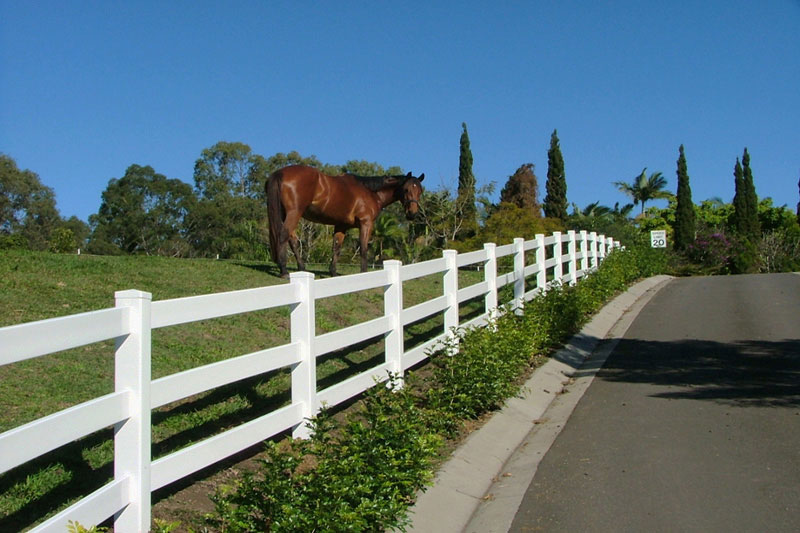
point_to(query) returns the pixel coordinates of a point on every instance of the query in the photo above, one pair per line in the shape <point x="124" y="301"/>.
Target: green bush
<point x="360" y="476"/>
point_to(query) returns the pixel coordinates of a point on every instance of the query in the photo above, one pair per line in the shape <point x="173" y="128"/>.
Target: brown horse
<point x="344" y="202"/>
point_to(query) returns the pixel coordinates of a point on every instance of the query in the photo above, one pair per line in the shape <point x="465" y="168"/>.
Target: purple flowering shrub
<point x="713" y="251"/>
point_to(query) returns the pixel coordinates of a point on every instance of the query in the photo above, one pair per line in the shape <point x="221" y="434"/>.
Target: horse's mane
<point x="375" y="183"/>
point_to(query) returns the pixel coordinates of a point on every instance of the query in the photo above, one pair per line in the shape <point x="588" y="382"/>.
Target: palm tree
<point x="644" y="188"/>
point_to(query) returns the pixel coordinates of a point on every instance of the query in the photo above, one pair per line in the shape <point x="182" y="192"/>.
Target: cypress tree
<point x="684" y="211"/>
<point x="739" y="202"/>
<point x="466" y="188"/>
<point x="555" y="202"/>
<point x="752" y="225"/>
<point x="798" y="204"/>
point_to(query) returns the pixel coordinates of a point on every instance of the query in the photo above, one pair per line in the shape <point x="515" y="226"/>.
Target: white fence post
<point x="558" y="271"/>
<point x="610" y="246"/>
<point x="303" y="331"/>
<point x="132" y="437"/>
<point x="573" y="257"/>
<point x="584" y="251"/>
<point x="490" y="276"/>
<point x="601" y="248"/>
<point x="393" y="307"/>
<point x="450" y="282"/>
<point x="541" y="256"/>
<point x="593" y="248"/>
<point x="519" y="273"/>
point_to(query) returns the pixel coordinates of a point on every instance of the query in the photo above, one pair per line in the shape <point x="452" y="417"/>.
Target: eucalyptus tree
<point x="143" y="212"/>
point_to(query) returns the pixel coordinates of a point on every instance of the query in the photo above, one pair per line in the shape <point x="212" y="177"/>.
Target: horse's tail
<point x="275" y="212"/>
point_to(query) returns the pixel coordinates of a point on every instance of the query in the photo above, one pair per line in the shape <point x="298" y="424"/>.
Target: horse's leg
<point x="292" y="219"/>
<point x="364" y="233"/>
<point x="338" y="238"/>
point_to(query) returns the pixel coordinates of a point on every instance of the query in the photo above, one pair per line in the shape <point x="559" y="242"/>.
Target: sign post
<point x="658" y="238"/>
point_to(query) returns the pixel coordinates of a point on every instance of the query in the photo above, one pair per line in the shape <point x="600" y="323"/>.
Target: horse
<point x="344" y="202"/>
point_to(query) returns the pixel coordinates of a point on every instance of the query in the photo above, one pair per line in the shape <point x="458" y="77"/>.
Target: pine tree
<point x="466" y="188"/>
<point x="555" y="202"/>
<point x="522" y="189"/>
<point x="752" y="225"/>
<point x="684" y="211"/>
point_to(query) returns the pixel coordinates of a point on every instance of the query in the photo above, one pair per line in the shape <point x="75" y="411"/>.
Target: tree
<point x="28" y="210"/>
<point x="644" y="188"/>
<point x="684" y="212"/>
<point x="143" y="212"/>
<point x="798" y="204"/>
<point x="522" y="189"/>
<point x="555" y="202"/>
<point x="466" y="188"/>
<point x="745" y="201"/>
<point x="230" y="169"/>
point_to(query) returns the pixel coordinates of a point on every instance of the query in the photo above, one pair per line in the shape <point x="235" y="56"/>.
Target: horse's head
<point x="410" y="193"/>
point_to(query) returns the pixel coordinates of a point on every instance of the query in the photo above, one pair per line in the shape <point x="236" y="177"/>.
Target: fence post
<point x="393" y="307"/>
<point x="450" y="283"/>
<point x="573" y="257"/>
<point x="558" y="271"/>
<point x="303" y="331"/>
<point x="584" y="252"/>
<point x="490" y="276"/>
<point x="132" y="437"/>
<point x="610" y="247"/>
<point x="601" y="248"/>
<point x="541" y="256"/>
<point x="593" y="248"/>
<point x="519" y="273"/>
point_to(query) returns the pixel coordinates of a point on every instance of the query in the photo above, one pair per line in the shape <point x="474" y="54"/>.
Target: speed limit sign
<point x="658" y="238"/>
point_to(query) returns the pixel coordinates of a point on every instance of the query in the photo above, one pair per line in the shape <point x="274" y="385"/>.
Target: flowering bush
<point x="713" y="252"/>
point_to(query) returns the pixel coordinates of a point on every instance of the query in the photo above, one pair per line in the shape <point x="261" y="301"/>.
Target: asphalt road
<point x="693" y="423"/>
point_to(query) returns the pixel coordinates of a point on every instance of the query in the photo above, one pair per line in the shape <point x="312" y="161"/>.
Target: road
<point x="693" y="423"/>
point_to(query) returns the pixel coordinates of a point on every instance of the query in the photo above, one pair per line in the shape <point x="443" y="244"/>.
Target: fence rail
<point x="130" y="322"/>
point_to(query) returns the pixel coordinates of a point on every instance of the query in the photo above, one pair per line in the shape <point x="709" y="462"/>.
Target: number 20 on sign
<point x="658" y="239"/>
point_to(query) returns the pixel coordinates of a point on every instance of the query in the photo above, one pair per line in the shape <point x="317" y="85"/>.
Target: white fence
<point x="130" y="322"/>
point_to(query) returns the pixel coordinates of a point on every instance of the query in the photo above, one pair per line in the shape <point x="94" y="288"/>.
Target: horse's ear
<point x="421" y="177"/>
<point x="409" y="175"/>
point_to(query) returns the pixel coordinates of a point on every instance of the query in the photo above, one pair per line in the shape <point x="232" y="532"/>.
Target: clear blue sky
<point x="89" y="88"/>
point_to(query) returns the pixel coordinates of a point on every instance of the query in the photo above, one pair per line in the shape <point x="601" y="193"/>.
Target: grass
<point x="36" y="286"/>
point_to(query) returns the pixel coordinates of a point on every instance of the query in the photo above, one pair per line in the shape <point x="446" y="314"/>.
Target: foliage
<point x="684" y="227"/>
<point x="713" y="252"/>
<point x="644" y="188"/>
<point x="466" y="188"/>
<point x="779" y="250"/>
<point x="359" y="475"/>
<point x="555" y="201"/>
<point x="28" y="214"/>
<point x="522" y="189"/>
<point x="143" y="212"/>
<point x="508" y="222"/>
<point x="745" y="211"/>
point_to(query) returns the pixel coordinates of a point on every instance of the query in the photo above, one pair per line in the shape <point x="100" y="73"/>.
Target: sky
<point x="90" y="88"/>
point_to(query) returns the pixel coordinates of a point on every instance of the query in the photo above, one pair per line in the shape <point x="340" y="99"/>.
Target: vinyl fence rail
<point x="128" y="409"/>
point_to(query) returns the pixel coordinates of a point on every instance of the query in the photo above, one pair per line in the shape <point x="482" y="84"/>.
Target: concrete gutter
<point x="480" y="487"/>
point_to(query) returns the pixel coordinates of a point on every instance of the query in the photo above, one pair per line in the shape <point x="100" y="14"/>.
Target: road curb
<point x="467" y="478"/>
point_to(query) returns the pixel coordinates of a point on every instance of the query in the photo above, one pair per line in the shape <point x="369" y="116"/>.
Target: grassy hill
<point x="36" y="286"/>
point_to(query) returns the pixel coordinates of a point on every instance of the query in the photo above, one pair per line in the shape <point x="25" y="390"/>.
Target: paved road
<point x="693" y="424"/>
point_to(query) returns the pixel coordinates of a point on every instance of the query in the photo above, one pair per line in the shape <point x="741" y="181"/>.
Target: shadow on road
<point x="745" y="373"/>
